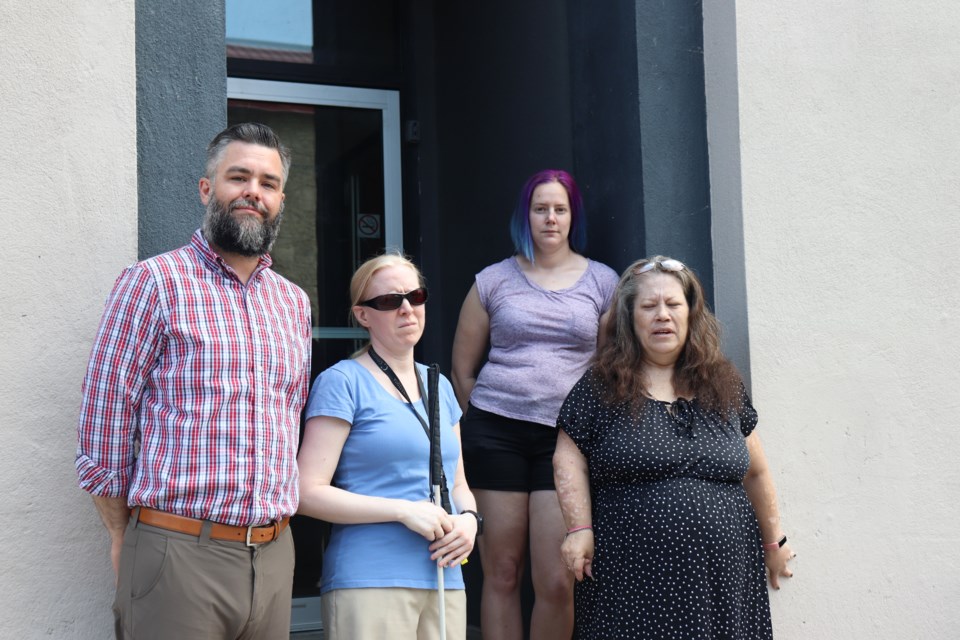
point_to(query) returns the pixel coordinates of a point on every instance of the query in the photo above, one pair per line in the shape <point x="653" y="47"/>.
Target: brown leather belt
<point x="252" y="535"/>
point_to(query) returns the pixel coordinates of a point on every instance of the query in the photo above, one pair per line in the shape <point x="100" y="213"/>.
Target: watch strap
<point x="479" y="520"/>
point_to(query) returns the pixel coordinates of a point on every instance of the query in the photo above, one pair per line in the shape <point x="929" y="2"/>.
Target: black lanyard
<point x="377" y="360"/>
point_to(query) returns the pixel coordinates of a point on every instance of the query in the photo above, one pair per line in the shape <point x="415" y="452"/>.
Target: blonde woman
<point x="364" y="466"/>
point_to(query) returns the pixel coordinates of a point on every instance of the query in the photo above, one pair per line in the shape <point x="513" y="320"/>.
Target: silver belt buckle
<point x="250" y="529"/>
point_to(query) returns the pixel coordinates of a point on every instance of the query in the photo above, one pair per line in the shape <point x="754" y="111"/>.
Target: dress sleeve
<point x="577" y="415"/>
<point x="747" y="414"/>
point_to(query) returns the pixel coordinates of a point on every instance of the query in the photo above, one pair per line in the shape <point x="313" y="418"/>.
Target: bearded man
<point x="188" y="431"/>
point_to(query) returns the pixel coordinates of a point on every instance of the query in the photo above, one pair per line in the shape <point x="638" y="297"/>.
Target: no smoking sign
<point x="368" y="225"/>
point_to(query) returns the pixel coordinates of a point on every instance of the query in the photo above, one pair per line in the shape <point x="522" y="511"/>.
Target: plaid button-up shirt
<point x="192" y="398"/>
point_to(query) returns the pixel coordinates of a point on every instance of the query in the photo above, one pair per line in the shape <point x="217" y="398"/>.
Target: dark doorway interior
<point x="492" y="92"/>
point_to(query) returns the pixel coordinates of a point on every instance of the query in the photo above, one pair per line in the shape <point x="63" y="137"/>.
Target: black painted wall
<point x="607" y="132"/>
<point x="181" y="105"/>
<point x="640" y="129"/>
<point x="611" y="91"/>
<point x="503" y="113"/>
<point x="673" y="123"/>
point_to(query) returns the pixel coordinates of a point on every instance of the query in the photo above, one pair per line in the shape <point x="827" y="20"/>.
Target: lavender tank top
<point x="540" y="340"/>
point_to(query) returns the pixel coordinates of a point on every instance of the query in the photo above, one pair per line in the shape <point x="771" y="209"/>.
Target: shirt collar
<point x="213" y="259"/>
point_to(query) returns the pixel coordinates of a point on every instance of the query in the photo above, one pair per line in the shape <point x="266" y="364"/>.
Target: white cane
<point x="436" y="478"/>
<point x="441" y="592"/>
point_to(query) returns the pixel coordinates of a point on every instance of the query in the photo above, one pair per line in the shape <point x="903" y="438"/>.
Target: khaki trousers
<point x="173" y="585"/>
<point x="394" y="612"/>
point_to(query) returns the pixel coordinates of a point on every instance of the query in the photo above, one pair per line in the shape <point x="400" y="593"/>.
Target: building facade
<point x="801" y="157"/>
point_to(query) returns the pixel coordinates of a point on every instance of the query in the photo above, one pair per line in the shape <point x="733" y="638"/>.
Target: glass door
<point x="343" y="206"/>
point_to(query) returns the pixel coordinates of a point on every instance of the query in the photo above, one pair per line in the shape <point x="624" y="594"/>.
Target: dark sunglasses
<point x="393" y="301"/>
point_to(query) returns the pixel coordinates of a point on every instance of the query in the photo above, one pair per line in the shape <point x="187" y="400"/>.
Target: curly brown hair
<point x="701" y="371"/>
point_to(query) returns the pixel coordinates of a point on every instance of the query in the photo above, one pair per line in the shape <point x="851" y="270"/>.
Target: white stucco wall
<point x="849" y="165"/>
<point x="69" y="206"/>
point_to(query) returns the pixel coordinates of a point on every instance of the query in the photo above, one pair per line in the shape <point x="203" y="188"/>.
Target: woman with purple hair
<point x="536" y="317"/>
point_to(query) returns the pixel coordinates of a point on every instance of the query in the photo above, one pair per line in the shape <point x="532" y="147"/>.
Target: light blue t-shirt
<point x="387" y="454"/>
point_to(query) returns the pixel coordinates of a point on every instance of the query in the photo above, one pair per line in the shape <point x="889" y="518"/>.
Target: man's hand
<point x="115" y="514"/>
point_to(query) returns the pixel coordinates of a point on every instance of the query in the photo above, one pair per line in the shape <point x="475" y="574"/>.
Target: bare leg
<point x="503" y="548"/>
<point x="552" y="583"/>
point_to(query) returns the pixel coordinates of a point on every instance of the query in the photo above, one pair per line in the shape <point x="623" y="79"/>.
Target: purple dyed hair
<point x="520" y="222"/>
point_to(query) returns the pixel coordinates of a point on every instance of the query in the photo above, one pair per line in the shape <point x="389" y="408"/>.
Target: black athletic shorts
<point x="504" y="454"/>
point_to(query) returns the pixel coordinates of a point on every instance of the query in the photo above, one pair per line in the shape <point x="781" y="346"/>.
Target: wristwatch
<point x="479" y="520"/>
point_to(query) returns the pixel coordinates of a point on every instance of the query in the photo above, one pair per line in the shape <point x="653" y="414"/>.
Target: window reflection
<point x="355" y="37"/>
<point x="279" y="32"/>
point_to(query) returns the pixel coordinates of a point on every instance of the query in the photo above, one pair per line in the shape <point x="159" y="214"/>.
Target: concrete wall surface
<point x="849" y="130"/>
<point x="67" y="95"/>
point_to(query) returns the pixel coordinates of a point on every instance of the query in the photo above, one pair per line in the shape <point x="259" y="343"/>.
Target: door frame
<point x="383" y="100"/>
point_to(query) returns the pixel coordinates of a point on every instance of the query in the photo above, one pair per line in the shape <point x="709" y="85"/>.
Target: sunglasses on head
<point x="393" y="301"/>
<point x="666" y="265"/>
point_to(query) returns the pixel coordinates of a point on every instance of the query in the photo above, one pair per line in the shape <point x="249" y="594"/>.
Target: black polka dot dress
<point x="678" y="551"/>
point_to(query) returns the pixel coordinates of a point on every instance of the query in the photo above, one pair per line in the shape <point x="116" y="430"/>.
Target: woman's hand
<point x="776" y="561"/>
<point x="426" y="519"/>
<point x="572" y="478"/>
<point x="577" y="553"/>
<point x="456" y="545"/>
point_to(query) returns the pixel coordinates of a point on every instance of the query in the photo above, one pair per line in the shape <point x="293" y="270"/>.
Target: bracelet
<point x="770" y="546"/>
<point x="584" y="527"/>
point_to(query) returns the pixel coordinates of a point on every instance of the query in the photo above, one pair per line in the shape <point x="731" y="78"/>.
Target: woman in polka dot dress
<point x="672" y="518"/>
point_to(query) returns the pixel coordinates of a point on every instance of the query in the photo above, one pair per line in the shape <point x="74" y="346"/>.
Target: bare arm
<point x="571" y="476"/>
<point x="469" y="346"/>
<point x="115" y="514"/>
<point x="456" y="546"/>
<point x="759" y="486"/>
<point x="602" y="329"/>
<point x="323" y="441"/>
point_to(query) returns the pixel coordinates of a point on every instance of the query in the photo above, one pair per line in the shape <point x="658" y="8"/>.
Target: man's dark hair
<point x="251" y="133"/>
